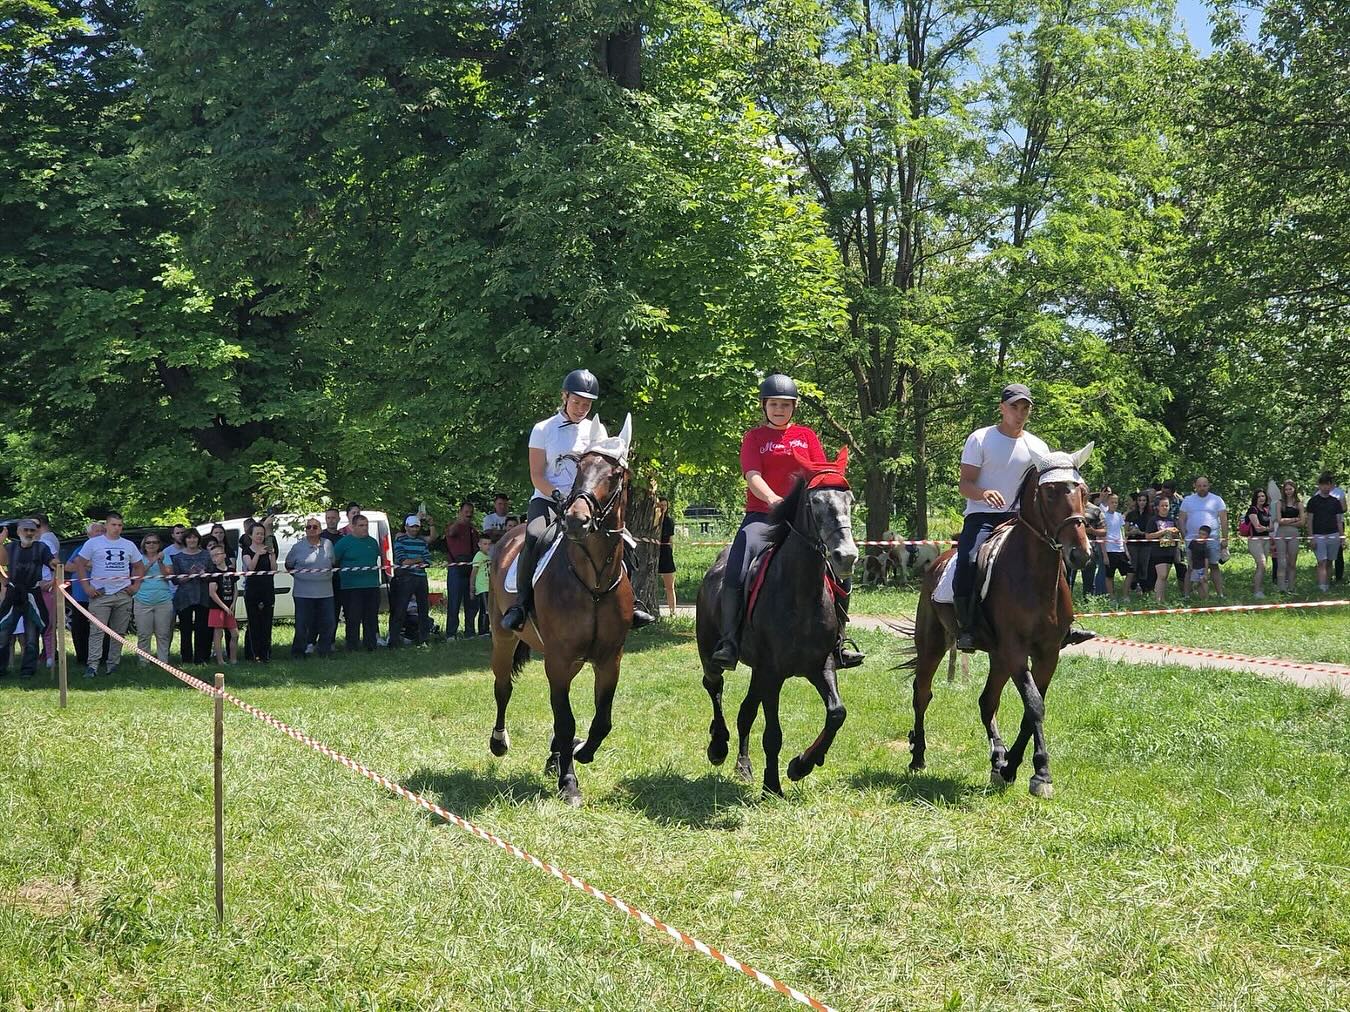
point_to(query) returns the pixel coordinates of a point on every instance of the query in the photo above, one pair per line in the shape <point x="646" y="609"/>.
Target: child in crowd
<point x="221" y="589"/>
<point x="479" y="576"/>
<point x="1199" y="552"/>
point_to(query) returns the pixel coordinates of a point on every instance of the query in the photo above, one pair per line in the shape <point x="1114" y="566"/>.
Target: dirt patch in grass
<point x="45" y="898"/>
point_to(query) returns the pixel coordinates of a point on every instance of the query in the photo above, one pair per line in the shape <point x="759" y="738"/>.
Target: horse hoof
<point x="743" y="771"/>
<point x="570" y="792"/>
<point x="499" y="743"/>
<point x="583" y="753"/>
<point x="1041" y="788"/>
<point x="717" y="752"/>
<point x="796" y="769"/>
<point x="996" y="781"/>
<point x="915" y="765"/>
<point x="773" y="790"/>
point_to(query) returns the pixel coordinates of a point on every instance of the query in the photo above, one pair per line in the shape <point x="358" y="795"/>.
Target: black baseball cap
<point x="1016" y="392"/>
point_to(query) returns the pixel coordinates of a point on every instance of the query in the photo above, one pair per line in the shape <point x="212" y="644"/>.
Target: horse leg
<point x="773" y="740"/>
<point x="993" y="689"/>
<point x="564" y="728"/>
<point x="1021" y="679"/>
<point x="930" y="642"/>
<point x="718" y="735"/>
<point x="1038" y="685"/>
<point x="814" y="755"/>
<point x="745" y="721"/>
<point x="499" y="741"/>
<point x="606" y="681"/>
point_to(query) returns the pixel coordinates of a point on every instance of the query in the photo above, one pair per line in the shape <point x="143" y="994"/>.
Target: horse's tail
<point x="519" y="658"/>
<point x="904" y="627"/>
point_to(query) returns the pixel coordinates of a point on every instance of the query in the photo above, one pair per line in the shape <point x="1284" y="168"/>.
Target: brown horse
<point x="1027" y="614"/>
<point x="583" y="606"/>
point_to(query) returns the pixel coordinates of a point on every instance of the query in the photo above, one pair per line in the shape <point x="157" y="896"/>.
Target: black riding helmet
<point x="583" y="383"/>
<point x="778" y="385"/>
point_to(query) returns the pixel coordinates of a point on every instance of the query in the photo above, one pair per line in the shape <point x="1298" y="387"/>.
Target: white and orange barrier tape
<point x="675" y="934"/>
<point x="1217" y="655"/>
<point x="1212" y="609"/>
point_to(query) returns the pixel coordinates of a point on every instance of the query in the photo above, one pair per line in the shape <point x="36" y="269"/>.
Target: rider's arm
<point x="538" y="461"/>
<point x="969" y="488"/>
<point x="760" y="488"/>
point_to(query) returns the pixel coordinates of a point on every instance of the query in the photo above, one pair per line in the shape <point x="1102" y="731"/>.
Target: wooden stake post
<point x="218" y="752"/>
<point x="59" y="575"/>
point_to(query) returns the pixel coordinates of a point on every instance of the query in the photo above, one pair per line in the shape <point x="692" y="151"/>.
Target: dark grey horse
<point x="793" y="629"/>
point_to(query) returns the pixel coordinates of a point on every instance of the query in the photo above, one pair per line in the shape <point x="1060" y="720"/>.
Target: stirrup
<point x="845" y="657"/>
<point x="965" y="641"/>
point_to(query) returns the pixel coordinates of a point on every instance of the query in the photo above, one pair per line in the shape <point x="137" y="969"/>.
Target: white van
<point x="288" y="528"/>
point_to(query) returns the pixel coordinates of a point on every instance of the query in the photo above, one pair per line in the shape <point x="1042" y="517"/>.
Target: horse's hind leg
<point x="503" y="650"/>
<point x="930" y="642"/>
<point x="718" y="735"/>
<point x="745" y="722"/>
<point x="606" y="681"/>
<point x="814" y="755"/>
<point x="773" y="739"/>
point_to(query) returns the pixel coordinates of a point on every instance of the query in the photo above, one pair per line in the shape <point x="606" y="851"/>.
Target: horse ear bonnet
<point x="825" y="474"/>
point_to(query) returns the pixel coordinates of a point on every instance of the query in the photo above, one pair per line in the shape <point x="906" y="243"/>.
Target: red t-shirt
<point x="459" y="541"/>
<point x="769" y="451"/>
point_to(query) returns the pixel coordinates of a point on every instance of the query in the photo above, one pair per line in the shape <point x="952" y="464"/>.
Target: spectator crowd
<point x="181" y="580"/>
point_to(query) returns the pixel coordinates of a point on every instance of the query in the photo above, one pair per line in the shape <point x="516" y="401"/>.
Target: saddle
<point x="548" y="546"/>
<point x="759" y="569"/>
<point x="985" y="561"/>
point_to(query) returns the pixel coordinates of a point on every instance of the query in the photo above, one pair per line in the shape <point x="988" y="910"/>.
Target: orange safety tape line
<point x="1208" y="609"/>
<point x="1195" y="652"/>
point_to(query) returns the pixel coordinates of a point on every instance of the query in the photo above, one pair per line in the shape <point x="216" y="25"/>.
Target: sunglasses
<point x="311" y="527"/>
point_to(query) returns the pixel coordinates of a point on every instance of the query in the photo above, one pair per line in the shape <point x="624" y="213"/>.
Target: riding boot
<point x="1075" y="636"/>
<point x="844" y="656"/>
<point x="518" y="614"/>
<point x="729" y="647"/>
<point x="965" y="622"/>
<point x="641" y="616"/>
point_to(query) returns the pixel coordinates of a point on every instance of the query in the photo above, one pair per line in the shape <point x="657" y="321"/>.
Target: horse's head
<point x="1054" y="499"/>
<point x="598" y="493"/>
<point x="828" y="503"/>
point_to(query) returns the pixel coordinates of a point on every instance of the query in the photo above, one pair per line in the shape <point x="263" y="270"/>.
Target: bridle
<point x="599" y="515"/>
<point x="1052" y="538"/>
<point x="816" y="538"/>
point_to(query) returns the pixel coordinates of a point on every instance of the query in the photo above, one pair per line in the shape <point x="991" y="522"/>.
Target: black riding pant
<point x="750" y="542"/>
<point x="975" y="532"/>
<point x="537" y="516"/>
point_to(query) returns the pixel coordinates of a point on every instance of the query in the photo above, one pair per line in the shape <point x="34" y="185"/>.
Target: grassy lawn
<point x="1194" y="857"/>
<point x="1317" y="634"/>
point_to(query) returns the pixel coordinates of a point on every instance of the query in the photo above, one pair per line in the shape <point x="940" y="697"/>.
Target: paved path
<point x="1313" y="676"/>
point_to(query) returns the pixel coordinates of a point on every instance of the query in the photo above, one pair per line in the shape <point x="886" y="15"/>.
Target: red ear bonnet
<point x="824" y="474"/>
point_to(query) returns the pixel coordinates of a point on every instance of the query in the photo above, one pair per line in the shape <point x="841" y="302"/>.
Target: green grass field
<point x="1195" y="855"/>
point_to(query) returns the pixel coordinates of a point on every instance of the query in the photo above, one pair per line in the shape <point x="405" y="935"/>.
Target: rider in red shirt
<point x="769" y="466"/>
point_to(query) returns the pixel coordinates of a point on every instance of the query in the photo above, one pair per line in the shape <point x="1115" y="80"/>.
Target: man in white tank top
<point x="993" y="464"/>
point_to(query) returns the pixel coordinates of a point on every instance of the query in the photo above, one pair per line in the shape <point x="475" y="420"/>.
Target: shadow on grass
<point x="670" y="799"/>
<point x="467" y="792"/>
<point x="923" y="788"/>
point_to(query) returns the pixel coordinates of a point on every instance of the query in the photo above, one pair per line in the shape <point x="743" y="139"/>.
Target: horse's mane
<point x="1028" y="478"/>
<point x="783" y="514"/>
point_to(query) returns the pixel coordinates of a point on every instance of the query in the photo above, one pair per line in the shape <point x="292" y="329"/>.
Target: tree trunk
<point x="640" y="519"/>
<point x="920" y="457"/>
<point x="878" y="494"/>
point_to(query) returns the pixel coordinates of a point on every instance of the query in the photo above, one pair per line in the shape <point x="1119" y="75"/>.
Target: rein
<point x="1051" y="539"/>
<point x="599" y="515"/>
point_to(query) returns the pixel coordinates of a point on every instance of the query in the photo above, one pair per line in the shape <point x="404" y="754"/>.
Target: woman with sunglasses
<point x="310" y="563"/>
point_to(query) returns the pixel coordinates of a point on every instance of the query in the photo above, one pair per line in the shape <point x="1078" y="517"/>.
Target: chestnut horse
<point x="1027" y="614"/>
<point x="794" y="626"/>
<point x="583" y="604"/>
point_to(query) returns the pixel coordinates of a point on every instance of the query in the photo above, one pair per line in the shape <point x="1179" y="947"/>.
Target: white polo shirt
<point x="1003" y="463"/>
<point x="556" y="436"/>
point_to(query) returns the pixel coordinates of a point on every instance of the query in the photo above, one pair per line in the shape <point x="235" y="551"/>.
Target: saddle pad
<point x="944" y="592"/>
<point x="757" y="580"/>
<point x="510" y="581"/>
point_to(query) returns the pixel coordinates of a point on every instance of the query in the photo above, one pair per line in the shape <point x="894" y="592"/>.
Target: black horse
<point x="794" y="626"/>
